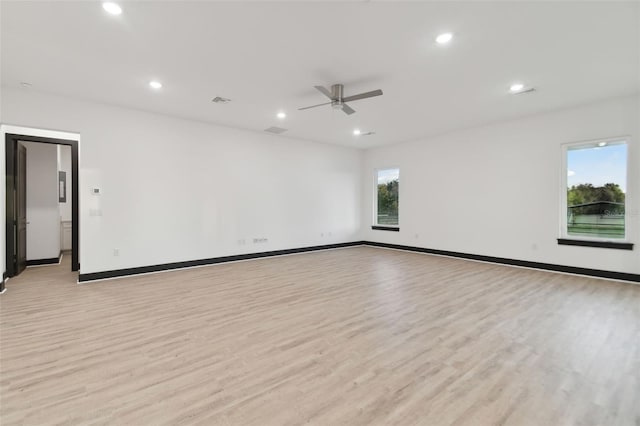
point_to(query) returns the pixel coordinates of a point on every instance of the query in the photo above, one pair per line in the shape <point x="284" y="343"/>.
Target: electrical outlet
<point x="116" y="252"/>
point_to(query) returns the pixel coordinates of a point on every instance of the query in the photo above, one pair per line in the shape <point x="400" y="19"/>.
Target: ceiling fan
<point x="338" y="100"/>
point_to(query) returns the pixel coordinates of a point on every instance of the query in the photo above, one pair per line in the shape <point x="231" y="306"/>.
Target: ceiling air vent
<point x="275" y="130"/>
<point x="220" y="100"/>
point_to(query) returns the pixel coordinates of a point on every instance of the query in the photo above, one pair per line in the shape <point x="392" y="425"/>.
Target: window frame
<point x="384" y="227"/>
<point x="592" y="241"/>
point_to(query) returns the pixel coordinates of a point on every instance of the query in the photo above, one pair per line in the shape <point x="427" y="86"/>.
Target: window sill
<point x="385" y="228"/>
<point x="600" y="244"/>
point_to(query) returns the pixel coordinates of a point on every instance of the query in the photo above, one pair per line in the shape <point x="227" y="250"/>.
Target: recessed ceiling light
<point x="281" y="115"/>
<point x="155" y="85"/>
<point x="444" y="38"/>
<point x="516" y="87"/>
<point x="356" y="132"/>
<point x="112" y="8"/>
<point x="25" y="85"/>
<point x="602" y="144"/>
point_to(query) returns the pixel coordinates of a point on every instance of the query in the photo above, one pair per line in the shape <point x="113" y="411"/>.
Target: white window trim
<point x="375" y="197"/>
<point x="563" y="188"/>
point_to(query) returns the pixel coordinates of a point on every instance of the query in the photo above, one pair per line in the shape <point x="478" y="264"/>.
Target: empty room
<point x="326" y="213"/>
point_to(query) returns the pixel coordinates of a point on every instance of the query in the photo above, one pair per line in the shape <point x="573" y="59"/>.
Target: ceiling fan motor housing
<point x="337" y="92"/>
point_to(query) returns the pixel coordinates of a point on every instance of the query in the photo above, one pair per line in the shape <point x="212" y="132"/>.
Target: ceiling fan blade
<point x="362" y="96"/>
<point x="313" y="106"/>
<point x="324" y="91"/>
<point x="347" y="109"/>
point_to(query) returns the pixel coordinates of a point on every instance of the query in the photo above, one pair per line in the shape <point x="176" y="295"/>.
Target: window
<point x="596" y="186"/>
<point x="386" y="199"/>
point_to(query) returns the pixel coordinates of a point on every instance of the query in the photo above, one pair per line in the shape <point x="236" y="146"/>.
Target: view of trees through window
<point x="388" y="192"/>
<point x="596" y="181"/>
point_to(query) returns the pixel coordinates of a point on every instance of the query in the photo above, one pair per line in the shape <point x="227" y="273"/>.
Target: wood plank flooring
<point x="358" y="336"/>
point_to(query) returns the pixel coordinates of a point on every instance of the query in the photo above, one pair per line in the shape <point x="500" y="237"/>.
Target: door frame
<point x="11" y="157"/>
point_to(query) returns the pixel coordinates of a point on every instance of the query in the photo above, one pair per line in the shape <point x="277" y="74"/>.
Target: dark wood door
<point x="21" y="209"/>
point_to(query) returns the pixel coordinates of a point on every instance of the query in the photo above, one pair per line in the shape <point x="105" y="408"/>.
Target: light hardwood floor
<point x="359" y="336"/>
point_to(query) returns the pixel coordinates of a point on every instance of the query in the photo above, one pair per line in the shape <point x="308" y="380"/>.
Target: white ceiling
<point x="267" y="56"/>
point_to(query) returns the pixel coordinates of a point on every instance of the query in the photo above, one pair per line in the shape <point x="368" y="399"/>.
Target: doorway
<point x="16" y="222"/>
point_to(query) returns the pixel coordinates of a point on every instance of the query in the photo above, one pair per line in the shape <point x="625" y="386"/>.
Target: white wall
<point x="64" y="165"/>
<point x="43" y="215"/>
<point x="495" y="190"/>
<point x="163" y="202"/>
<point x="175" y="190"/>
